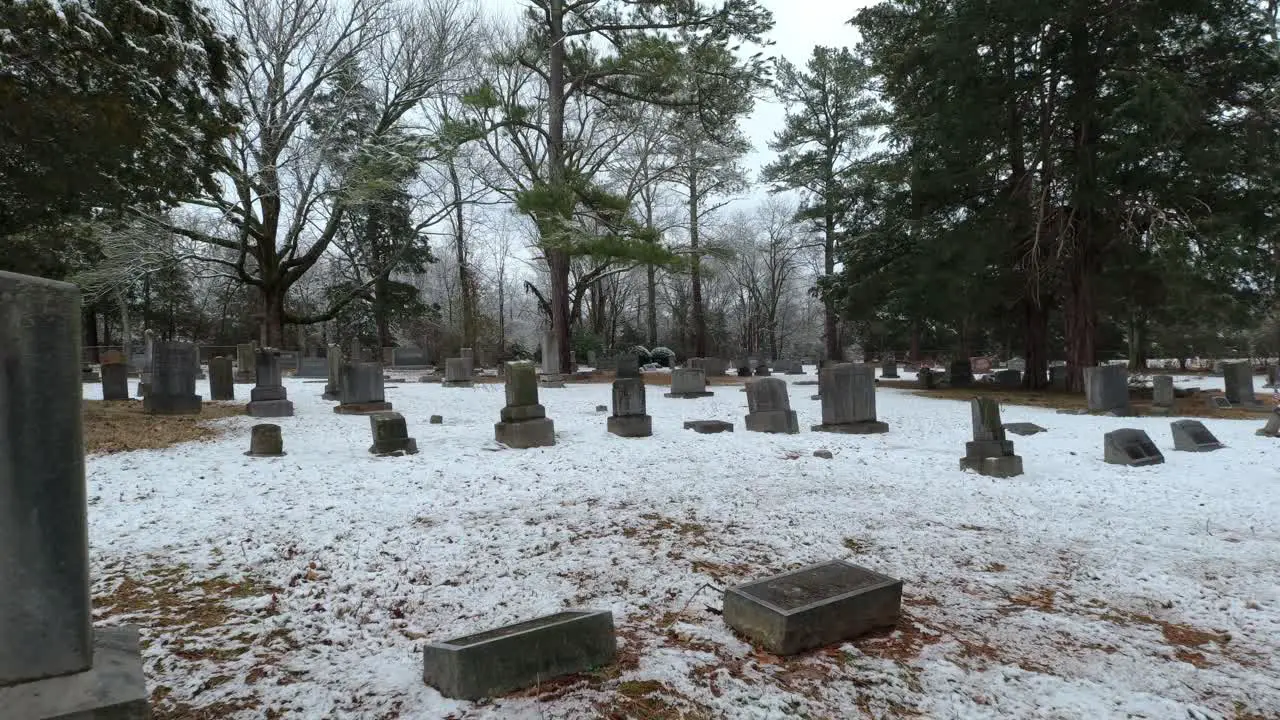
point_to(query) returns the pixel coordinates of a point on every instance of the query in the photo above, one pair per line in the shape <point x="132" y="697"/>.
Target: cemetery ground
<point x="122" y="426"/>
<point x="306" y="585"/>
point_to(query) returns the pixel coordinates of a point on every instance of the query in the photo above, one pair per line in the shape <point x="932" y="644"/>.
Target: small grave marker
<point x="391" y="435"/>
<point x="1024" y="428"/>
<point x="1193" y="436"/>
<point x="1129" y="446"/>
<point x="708" y="427"/>
<point x="265" y="440"/>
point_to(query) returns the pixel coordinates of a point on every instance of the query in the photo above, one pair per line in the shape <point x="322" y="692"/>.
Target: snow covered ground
<point x="305" y="586"/>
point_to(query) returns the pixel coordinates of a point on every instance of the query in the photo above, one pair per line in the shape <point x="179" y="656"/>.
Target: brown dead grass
<point x="122" y="426"/>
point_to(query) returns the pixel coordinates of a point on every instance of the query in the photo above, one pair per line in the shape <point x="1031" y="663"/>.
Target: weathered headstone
<point x="715" y="367"/>
<point x="1272" y="428"/>
<point x="889" y="369"/>
<point x="990" y="452"/>
<point x="362" y="390"/>
<point x="246" y="366"/>
<point x="265" y="440"/>
<point x="524" y="422"/>
<point x="144" y="378"/>
<point x="1193" y="436"/>
<point x="1238" y="380"/>
<point x="312" y="367"/>
<point x="550" y="355"/>
<point x="1106" y="389"/>
<point x="527" y="653"/>
<point x="391" y="435"/>
<point x="1008" y="378"/>
<point x="1162" y="394"/>
<point x="1129" y="446"/>
<point x="173" y="380"/>
<point x="629" y="418"/>
<point x="961" y="374"/>
<point x="628" y="365"/>
<point x="708" y="427"/>
<point x="928" y="378"/>
<point x="333" y="372"/>
<point x="818" y="605"/>
<point x="849" y="400"/>
<point x="115" y="381"/>
<point x="1058" y="377"/>
<point x="222" y="384"/>
<point x="268" y="398"/>
<point x="469" y="356"/>
<point x="456" y="375"/>
<point x="688" y="383"/>
<point x="769" y="408"/>
<point x="53" y="662"/>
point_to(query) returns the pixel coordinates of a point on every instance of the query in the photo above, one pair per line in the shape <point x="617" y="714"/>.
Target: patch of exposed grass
<point x="122" y="426"/>
<point x="652" y="700"/>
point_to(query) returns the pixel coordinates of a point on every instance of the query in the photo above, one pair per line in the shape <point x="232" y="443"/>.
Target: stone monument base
<point x="362" y="408"/>
<point x="866" y="427"/>
<point x="774" y="421"/>
<point x="458" y="383"/>
<point x="1003" y="466"/>
<point x="631" y="425"/>
<point x="113" y="689"/>
<point x="171" y="404"/>
<point x="521" y="434"/>
<point x="554" y="382"/>
<point x="269" y="408"/>
<point x="406" y="446"/>
<point x="690" y="395"/>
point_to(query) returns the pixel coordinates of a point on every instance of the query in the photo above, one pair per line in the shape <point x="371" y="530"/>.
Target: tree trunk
<point x="464" y="273"/>
<point x="380" y="313"/>
<point x="1137" y="340"/>
<point x="557" y="259"/>
<point x="271" y="331"/>
<point x="695" y="272"/>
<point x="90" y="333"/>
<point x="913" y="354"/>
<point x="125" y="328"/>
<point x="830" y="320"/>
<point x="1080" y="315"/>
<point x="1080" y="320"/>
<point x="652" y="309"/>
<point x="1035" y="334"/>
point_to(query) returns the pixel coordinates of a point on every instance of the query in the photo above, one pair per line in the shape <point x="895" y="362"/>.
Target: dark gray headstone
<point x="362" y="390"/>
<point x="688" y="383"/>
<point x="1023" y="428"/>
<point x="246" y="365"/>
<point x="629" y="418"/>
<point x="391" y="435"/>
<point x="849" y="400"/>
<point x="1193" y="436"/>
<point x="266" y="440"/>
<point x="521" y="655"/>
<point x="524" y="422"/>
<point x="312" y="367"/>
<point x="628" y="365"/>
<point x="1106" y="389"/>
<point x="457" y="373"/>
<point x="1162" y="391"/>
<point x="715" y="367"/>
<point x="1238" y="380"/>
<point x="333" y="373"/>
<point x="961" y="373"/>
<point x="889" y="369"/>
<point x="48" y="647"/>
<point x="115" y="381"/>
<point x="268" y="398"/>
<point x="1058" y="377"/>
<point x="1129" y="446"/>
<point x="222" y="383"/>
<point x="1008" y="378"/>
<point x="818" y="605"/>
<point x="173" y="380"/>
<point x="989" y="453"/>
<point x="769" y="408"/>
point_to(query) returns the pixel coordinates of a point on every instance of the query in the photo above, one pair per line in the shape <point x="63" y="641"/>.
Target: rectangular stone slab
<point x="1129" y="446"/>
<point x="517" y="656"/>
<point x="114" y="688"/>
<point x="1193" y="436"/>
<point x="817" y="605"/>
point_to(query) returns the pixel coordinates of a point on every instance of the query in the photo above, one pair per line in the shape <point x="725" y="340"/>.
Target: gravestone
<point x="469" y="356"/>
<point x="1273" y="376"/>
<point x="173" y="380"/>
<point x="708" y="427"/>
<point x="688" y="383"/>
<point x="245" y="364"/>
<point x="312" y="367"/>
<point x="818" y="605"/>
<point x="333" y="372"/>
<point x="391" y="435"/>
<point x="889" y="369"/>
<point x="550" y="355"/>
<point x="521" y="655"/>
<point x="268" y="398"/>
<point x="53" y="662"/>
<point x="849" y="400"/>
<point x="115" y="381"/>
<point x="769" y="408"/>
<point x="1193" y="436"/>
<point x="1023" y="428"/>
<point x="1272" y="428"/>
<point x="630" y="417"/>
<point x="1058" y="377"/>
<point x="222" y="384"/>
<point x="1017" y="363"/>
<point x="1162" y="394"/>
<point x="1219" y="402"/>
<point x="715" y="367"/>
<point x="1106" y="389"/>
<point x="144" y="378"/>
<point x="1129" y="446"/>
<point x="409" y="357"/>
<point x="961" y="374"/>
<point x="456" y="375"/>
<point x="362" y="390"/>
<point x="990" y="452"/>
<point x="628" y="365"/>
<point x="89" y="375"/>
<point x="1008" y="378"/>
<point x="743" y="367"/>
<point x="265" y="440"/>
<point x="928" y="378"/>
<point x="1238" y="380"/>
<point x="762" y="368"/>
<point x="524" y="422"/>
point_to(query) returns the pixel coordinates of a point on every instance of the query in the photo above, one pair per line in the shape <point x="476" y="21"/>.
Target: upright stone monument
<point x="144" y="378"/>
<point x="688" y="383"/>
<point x="990" y="452"/>
<point x="1058" y="377"/>
<point x="391" y="435"/>
<point x="362" y="390"/>
<point x="53" y="662"/>
<point x="889" y="369"/>
<point x="769" y="408"/>
<point x="715" y="367"/>
<point x="849" y="400"/>
<point x="524" y="422"/>
<point x="246" y="366"/>
<point x="334" y="362"/>
<point x="961" y="374"/>
<point x="468" y="356"/>
<point x="1238" y="380"/>
<point x="222" y="383"/>
<point x="173" y="380"/>
<point x="550" y="355"/>
<point x="456" y="375"/>
<point x="1106" y="389"/>
<point x="268" y="398"/>
<point x="115" y="381"/>
<point x="629" y="418"/>
<point x="1161" y="394"/>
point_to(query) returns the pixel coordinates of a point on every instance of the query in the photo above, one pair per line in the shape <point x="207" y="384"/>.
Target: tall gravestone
<point x="246" y="365"/>
<point x="115" y="381"/>
<point x="222" y="383"/>
<point x="889" y="369"/>
<point x="1162" y="394"/>
<point x="961" y="374"/>
<point x="173" y="380"/>
<point x="550" y="355"/>
<point x="849" y="400"/>
<point x="524" y="422"/>
<point x="630" y="416"/>
<point x="1106" y="389"/>
<point x="456" y="375"/>
<point x="334" y="362"/>
<point x="268" y="398"/>
<point x="1238" y="381"/>
<point x="769" y="408"/>
<point x="144" y="378"/>
<point x="990" y="452"/>
<point x="362" y="390"/>
<point x="53" y="662"/>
